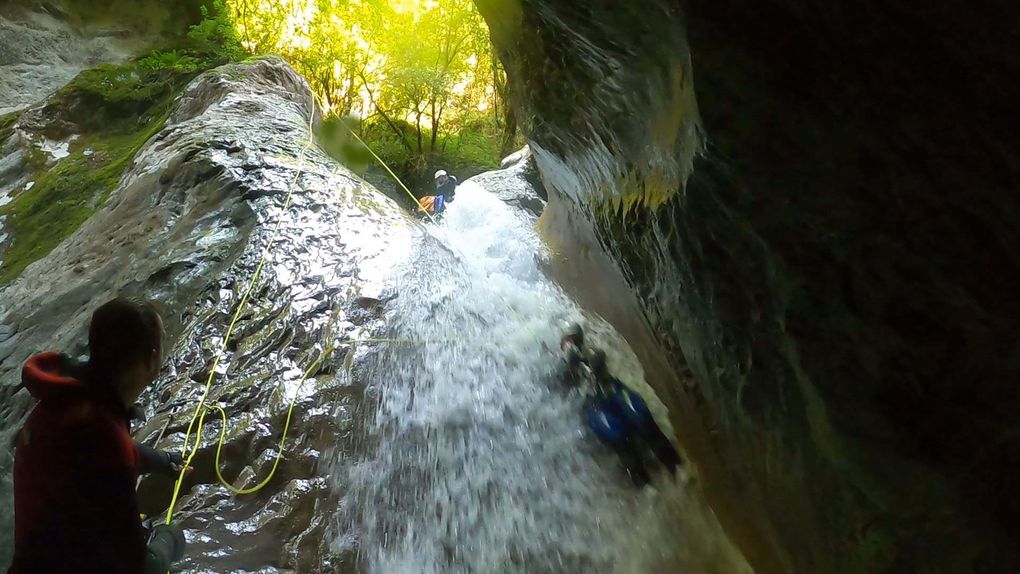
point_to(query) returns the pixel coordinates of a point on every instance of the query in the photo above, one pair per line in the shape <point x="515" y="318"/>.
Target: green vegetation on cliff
<point x="416" y="79"/>
<point x="116" y="111"/>
<point x="110" y="111"/>
<point x="147" y="17"/>
<point x="7" y="125"/>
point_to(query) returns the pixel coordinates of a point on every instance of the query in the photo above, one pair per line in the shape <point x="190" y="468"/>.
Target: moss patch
<point x="65" y="196"/>
<point x="116" y="98"/>
<point x="115" y="109"/>
<point x="170" y="19"/>
<point x="7" y="125"/>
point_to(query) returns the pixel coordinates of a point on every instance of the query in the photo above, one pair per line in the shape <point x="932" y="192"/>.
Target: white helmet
<point x="440" y="173"/>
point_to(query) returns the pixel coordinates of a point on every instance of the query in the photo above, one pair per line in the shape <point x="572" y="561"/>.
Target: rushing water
<point x="479" y="460"/>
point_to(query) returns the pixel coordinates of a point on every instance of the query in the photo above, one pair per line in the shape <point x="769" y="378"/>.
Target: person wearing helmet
<point x="572" y="347"/>
<point x="446" y="186"/>
<point x="601" y="412"/>
<point x="643" y="432"/>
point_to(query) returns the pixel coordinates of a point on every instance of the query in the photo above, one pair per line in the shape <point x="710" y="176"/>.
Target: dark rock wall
<point x="834" y="259"/>
<point x="45" y="43"/>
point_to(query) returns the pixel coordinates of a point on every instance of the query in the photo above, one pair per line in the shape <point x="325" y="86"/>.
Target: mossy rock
<point x="114" y="109"/>
<point x="7" y="125"/>
<point x="67" y="194"/>
<point x="115" y="97"/>
<point x="148" y="17"/>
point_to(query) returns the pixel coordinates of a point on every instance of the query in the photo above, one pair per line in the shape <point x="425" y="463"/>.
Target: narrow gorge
<point x="788" y="223"/>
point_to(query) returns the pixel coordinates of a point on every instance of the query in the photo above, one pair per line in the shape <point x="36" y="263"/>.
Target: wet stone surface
<point x="187" y="227"/>
<point x="516" y="183"/>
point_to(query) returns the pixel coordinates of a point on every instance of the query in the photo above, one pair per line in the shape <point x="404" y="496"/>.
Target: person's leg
<point x="630" y="456"/>
<point x="662" y="447"/>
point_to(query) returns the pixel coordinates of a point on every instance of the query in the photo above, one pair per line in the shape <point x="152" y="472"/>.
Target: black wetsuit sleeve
<point x="572" y="359"/>
<point x="153" y="461"/>
<point x="448" y="189"/>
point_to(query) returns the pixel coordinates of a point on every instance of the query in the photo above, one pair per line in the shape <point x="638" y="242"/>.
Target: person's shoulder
<point x="88" y="423"/>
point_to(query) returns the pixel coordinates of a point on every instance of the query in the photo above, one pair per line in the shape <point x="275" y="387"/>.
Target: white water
<point x="479" y="460"/>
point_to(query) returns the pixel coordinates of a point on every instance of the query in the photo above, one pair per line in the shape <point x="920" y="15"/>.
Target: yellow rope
<point x="380" y="160"/>
<point x="283" y="437"/>
<point x="199" y="414"/>
<point x="290" y="411"/>
<point x="198" y="418"/>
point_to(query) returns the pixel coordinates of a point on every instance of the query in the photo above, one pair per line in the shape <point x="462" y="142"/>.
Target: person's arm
<point x="153" y="461"/>
<point x="572" y="355"/>
<point x="573" y="367"/>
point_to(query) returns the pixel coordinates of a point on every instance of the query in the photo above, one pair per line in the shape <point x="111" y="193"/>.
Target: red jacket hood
<point x="45" y="376"/>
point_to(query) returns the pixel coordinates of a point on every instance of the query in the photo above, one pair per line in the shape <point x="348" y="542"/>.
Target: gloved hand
<point x="159" y="461"/>
<point x="167" y="540"/>
<point x="174" y="461"/>
<point x="170" y="463"/>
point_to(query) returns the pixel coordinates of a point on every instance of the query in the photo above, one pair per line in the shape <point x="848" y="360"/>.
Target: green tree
<point x="422" y="70"/>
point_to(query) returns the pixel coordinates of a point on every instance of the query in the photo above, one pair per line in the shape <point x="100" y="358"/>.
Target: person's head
<point x="441" y="177"/>
<point x="597" y="363"/>
<point x="573" y="335"/>
<point x="125" y="346"/>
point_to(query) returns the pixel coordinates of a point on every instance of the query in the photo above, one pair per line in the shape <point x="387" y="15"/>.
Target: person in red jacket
<point x="75" y="463"/>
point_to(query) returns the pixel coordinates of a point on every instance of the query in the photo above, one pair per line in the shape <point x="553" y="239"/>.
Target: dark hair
<point x="122" y="332"/>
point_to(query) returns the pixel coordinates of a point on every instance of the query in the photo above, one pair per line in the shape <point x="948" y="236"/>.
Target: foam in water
<point x="480" y="459"/>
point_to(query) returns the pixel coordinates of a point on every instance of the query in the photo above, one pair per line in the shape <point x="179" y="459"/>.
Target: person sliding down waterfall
<point x="75" y="463"/>
<point x="446" y="186"/>
<point x="446" y="189"/>
<point x="640" y="432"/>
<point x="617" y="415"/>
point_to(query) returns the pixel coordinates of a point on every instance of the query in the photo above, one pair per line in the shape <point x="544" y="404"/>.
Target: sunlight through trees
<point x="422" y="70"/>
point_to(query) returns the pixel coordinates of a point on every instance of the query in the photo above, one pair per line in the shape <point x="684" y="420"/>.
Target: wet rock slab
<point x="516" y="183"/>
<point x="204" y="200"/>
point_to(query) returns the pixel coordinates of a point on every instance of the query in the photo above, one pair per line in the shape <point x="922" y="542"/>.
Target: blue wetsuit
<point x="622" y="420"/>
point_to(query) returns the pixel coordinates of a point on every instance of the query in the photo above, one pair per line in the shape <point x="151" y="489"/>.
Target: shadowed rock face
<point x="45" y="43"/>
<point x="835" y="261"/>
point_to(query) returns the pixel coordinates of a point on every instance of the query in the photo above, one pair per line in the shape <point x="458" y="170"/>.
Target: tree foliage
<point x="416" y="73"/>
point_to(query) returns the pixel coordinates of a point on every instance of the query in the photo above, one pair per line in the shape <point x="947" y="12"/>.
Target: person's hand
<point x="175" y="462"/>
<point x="169" y="538"/>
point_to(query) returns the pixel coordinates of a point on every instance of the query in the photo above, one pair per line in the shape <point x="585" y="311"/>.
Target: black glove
<point x="159" y="461"/>
<point x="167" y="542"/>
<point x="174" y="460"/>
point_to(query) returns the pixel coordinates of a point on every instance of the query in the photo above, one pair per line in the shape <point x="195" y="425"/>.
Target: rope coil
<point x="201" y="409"/>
